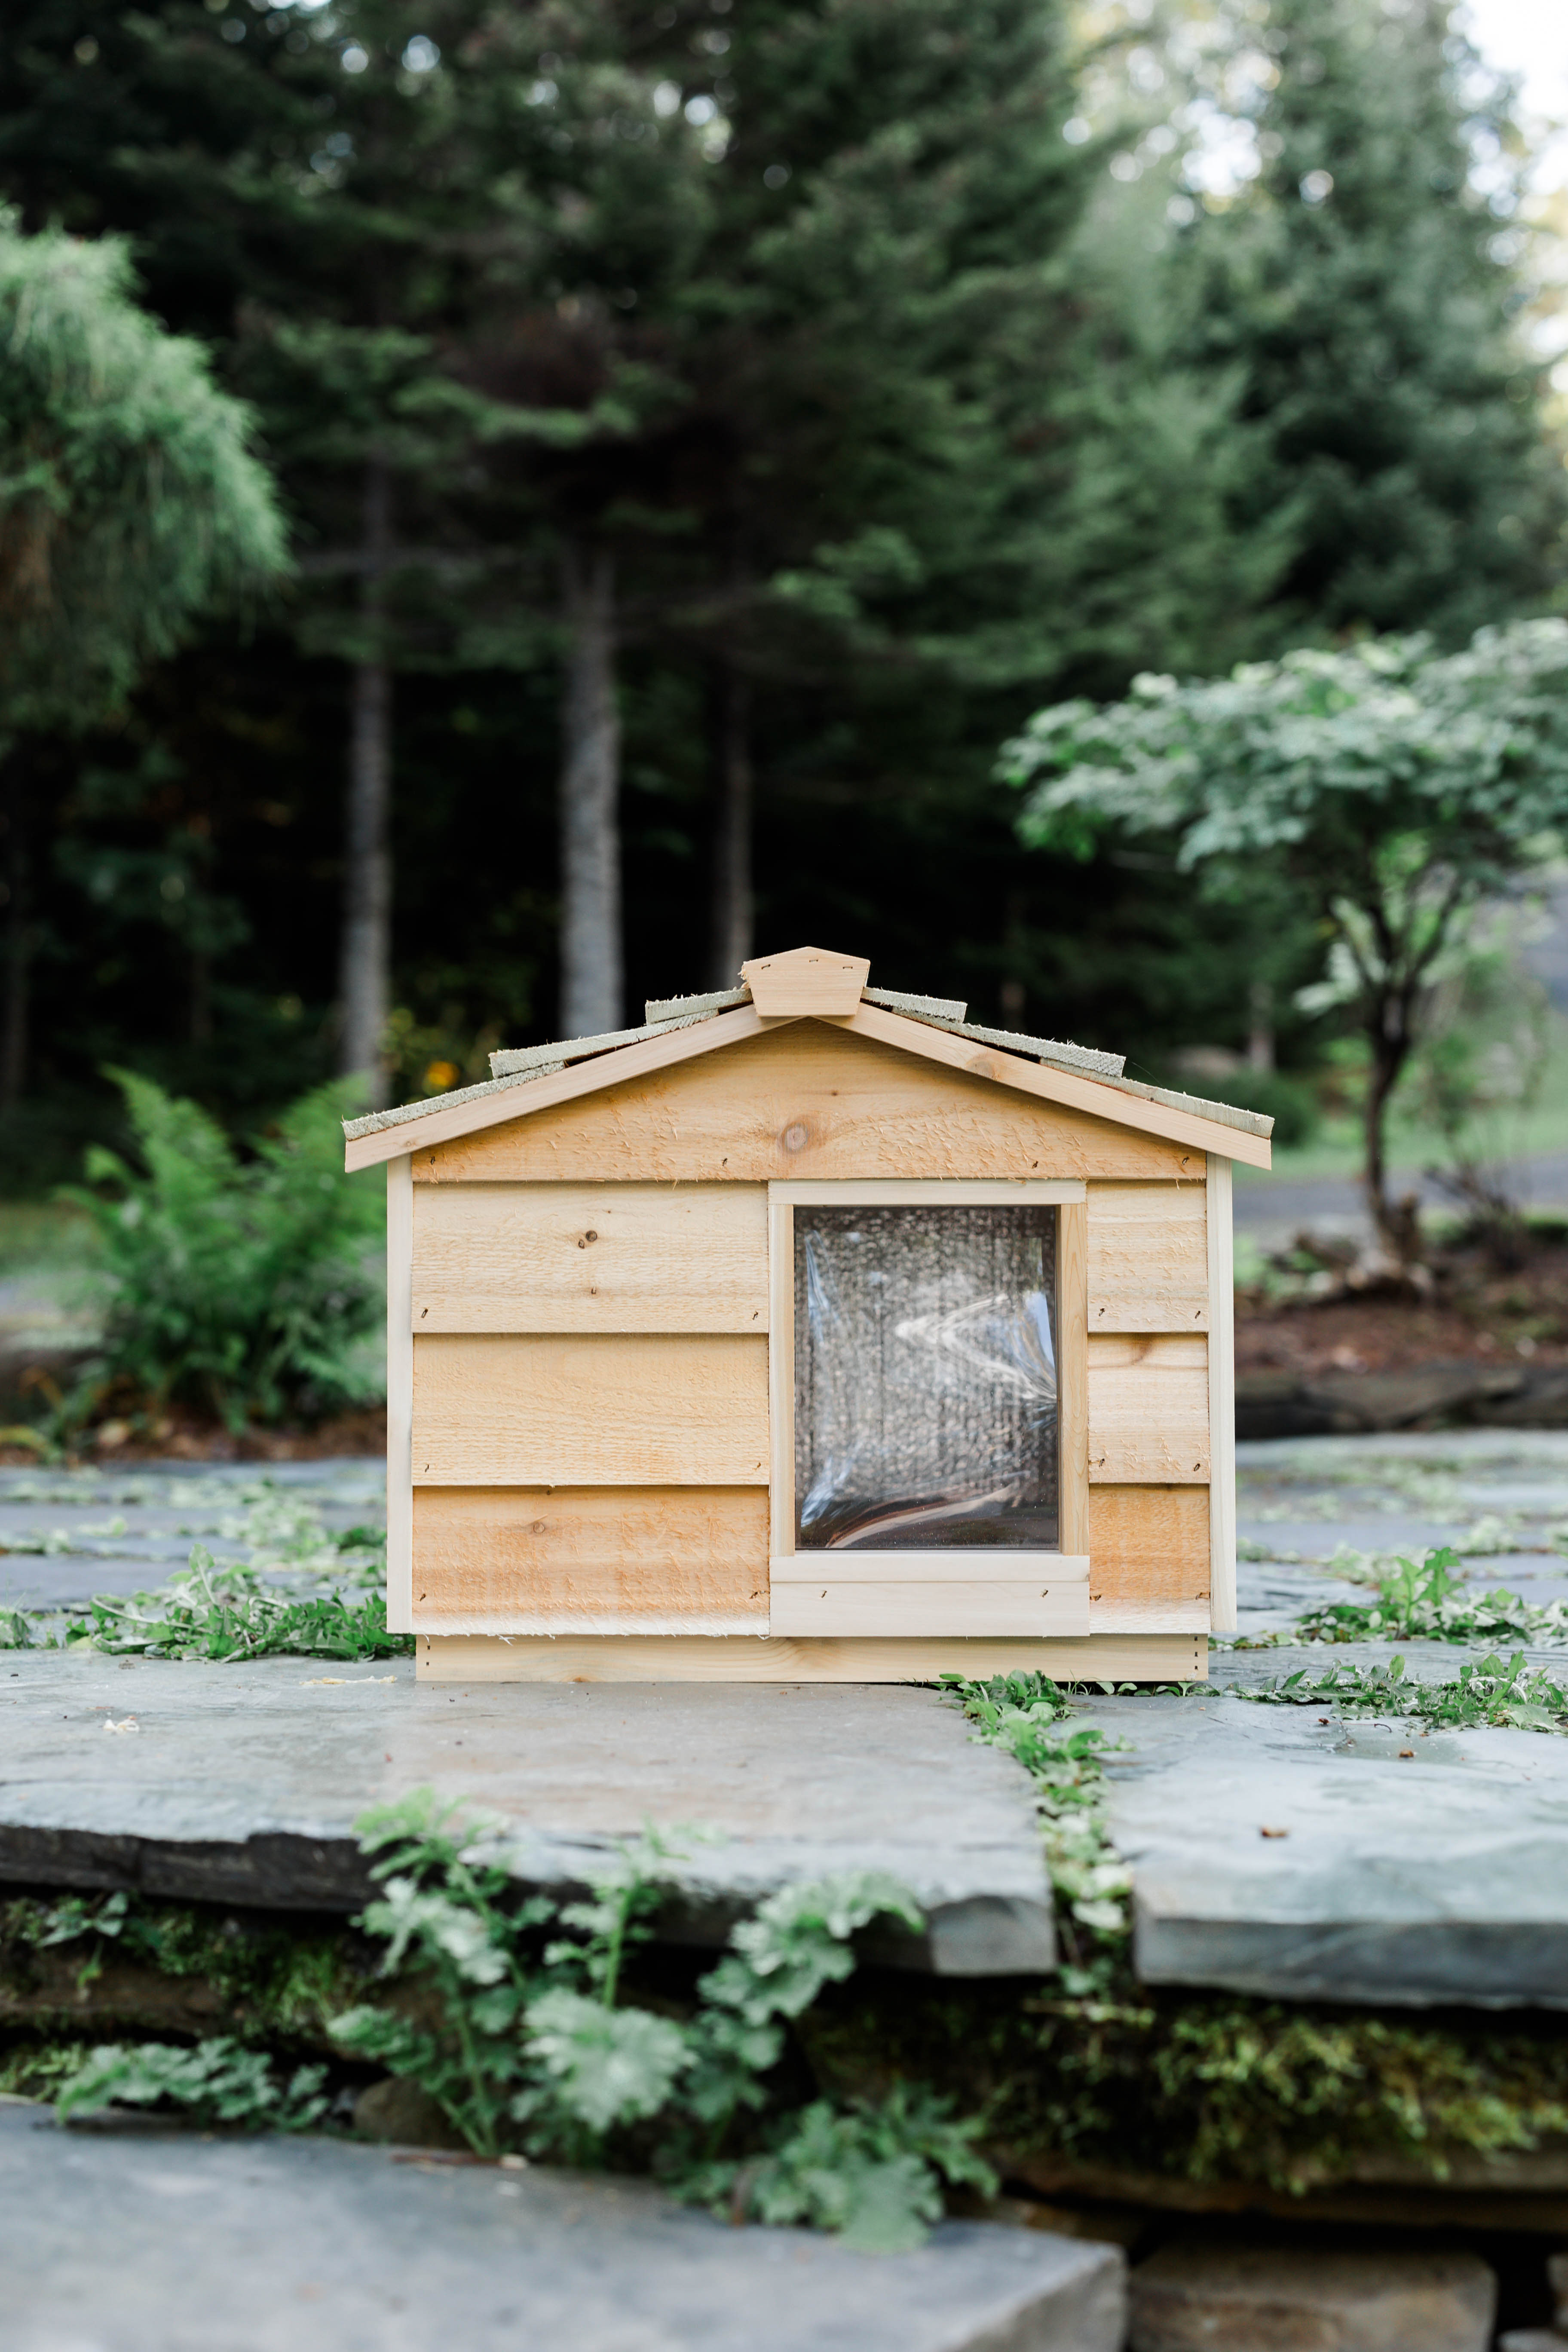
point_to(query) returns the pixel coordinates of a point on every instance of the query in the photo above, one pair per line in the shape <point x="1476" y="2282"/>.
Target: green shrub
<point x="236" y="1285"/>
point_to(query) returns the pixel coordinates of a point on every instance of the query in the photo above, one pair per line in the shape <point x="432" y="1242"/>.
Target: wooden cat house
<point x="809" y="1331"/>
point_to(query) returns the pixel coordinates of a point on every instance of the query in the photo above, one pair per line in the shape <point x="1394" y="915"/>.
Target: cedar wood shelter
<point x="809" y="1331"/>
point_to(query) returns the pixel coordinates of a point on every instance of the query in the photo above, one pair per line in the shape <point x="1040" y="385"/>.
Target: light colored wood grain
<point x="633" y="1658"/>
<point x="1149" y="1556"/>
<point x="1148" y="1258"/>
<point x="808" y="1100"/>
<point x="1195" y="1135"/>
<point x="584" y="1559"/>
<point x="992" y="1563"/>
<point x="969" y="1606"/>
<point x="399" y="1396"/>
<point x="591" y="1258"/>
<point x="1148" y="1411"/>
<point x="442" y="1123"/>
<point x="1222" y="1397"/>
<point x="948" y="1192"/>
<point x="780" y="1373"/>
<point x="1072" y="1377"/>
<point x="1186" y="1127"/>
<point x="600" y="1411"/>
<point x="805" y="980"/>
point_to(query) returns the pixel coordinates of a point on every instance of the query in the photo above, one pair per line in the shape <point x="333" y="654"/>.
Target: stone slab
<point x="241" y="1784"/>
<point x="1216" y="2298"/>
<point x="1436" y="1877"/>
<point x="166" y="2244"/>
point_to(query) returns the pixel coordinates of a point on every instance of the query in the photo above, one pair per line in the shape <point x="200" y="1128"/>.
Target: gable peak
<point x="804" y="980"/>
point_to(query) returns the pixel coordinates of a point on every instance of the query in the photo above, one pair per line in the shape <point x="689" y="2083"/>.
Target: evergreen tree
<point x="130" y="500"/>
<point x="1367" y="283"/>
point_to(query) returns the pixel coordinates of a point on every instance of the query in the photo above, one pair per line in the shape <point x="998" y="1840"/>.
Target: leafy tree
<point x="130" y="500"/>
<point x="1396" y="788"/>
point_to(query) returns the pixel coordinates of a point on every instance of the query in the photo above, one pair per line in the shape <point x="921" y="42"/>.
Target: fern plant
<point x="236" y="1285"/>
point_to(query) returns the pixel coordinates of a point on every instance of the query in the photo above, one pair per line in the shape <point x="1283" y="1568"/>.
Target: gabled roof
<point x="808" y="983"/>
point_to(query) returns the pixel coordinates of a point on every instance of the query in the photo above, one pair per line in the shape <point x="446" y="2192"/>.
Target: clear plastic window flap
<point x="926" y="1407"/>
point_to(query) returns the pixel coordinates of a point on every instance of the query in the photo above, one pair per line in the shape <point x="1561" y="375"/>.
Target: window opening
<point x="926" y="1406"/>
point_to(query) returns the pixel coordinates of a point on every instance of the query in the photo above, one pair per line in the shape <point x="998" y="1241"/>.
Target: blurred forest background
<point x="731" y="419"/>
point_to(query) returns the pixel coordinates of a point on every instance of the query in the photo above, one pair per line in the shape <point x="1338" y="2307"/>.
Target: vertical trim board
<point x="400" y="1395"/>
<point x="1222" y="1397"/>
<point x="781" y="1374"/>
<point x="1072" y="1376"/>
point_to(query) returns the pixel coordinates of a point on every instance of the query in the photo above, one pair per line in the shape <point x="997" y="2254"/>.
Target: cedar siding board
<point x="590" y="1257"/>
<point x="558" y="1559"/>
<point x="586" y="1303"/>
<point x="610" y="1410"/>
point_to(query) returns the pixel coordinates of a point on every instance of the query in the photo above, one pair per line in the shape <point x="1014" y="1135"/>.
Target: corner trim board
<point x="400" y="1394"/>
<point x="1222" y="1399"/>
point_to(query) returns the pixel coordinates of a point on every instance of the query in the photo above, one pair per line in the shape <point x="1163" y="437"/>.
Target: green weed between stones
<point x="1092" y="2071"/>
<point x="227" y="1610"/>
<point x="1431" y="1603"/>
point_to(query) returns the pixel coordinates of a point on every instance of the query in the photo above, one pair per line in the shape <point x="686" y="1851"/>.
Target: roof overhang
<point x="1044" y="1082"/>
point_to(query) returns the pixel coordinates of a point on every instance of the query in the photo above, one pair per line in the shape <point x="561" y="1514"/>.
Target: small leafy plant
<point x="218" y="2081"/>
<point x="526" y="2040"/>
<point x="1432" y="1603"/>
<point x="238" y="1285"/>
<point x="1511" y="1695"/>
<point x="229" y="1614"/>
<point x="1022" y="1713"/>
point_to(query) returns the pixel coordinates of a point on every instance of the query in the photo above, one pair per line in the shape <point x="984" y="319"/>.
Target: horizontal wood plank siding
<point x="591" y="1258"/>
<point x="1148" y="1559"/>
<point x="1148" y="1411"/>
<point x="601" y="1409"/>
<point x="803" y="1101"/>
<point x="543" y="1560"/>
<point x="1148" y="1258"/>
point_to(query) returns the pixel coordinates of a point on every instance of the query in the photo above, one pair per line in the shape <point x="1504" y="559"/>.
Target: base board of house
<point x="753" y="1658"/>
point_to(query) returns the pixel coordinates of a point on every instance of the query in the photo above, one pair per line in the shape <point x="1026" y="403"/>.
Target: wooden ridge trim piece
<point x="742" y="1658"/>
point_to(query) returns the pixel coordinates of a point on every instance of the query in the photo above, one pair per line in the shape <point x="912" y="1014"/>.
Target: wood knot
<point x="796" y="1136"/>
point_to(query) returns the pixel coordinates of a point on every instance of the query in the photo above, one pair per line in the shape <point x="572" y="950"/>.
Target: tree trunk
<point x="1388" y="1034"/>
<point x="592" y="985"/>
<point x="732" y="905"/>
<point x="1260" y="1033"/>
<point x="364" y="984"/>
<point x="18" y="935"/>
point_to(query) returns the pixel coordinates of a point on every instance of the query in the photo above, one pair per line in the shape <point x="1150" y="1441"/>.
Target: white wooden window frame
<point x="980" y="1591"/>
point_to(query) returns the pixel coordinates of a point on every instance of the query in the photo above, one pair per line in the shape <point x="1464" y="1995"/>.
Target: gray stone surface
<point x="1437" y="1876"/>
<point x="176" y="2244"/>
<point x="241" y="1783"/>
<point x="1218" y="2298"/>
<point x="66" y="1535"/>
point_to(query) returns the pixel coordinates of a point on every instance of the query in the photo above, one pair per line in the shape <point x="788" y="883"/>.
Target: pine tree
<point x="1367" y="284"/>
<point x="130" y="501"/>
